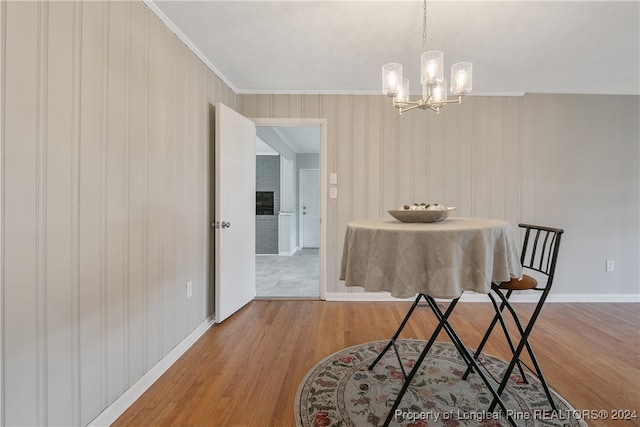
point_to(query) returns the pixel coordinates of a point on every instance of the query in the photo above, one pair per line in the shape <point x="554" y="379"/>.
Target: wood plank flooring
<point x="245" y="371"/>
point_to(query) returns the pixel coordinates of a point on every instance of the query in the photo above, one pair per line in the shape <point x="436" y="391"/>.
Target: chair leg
<point x="524" y="343"/>
<point x="540" y="376"/>
<point x="505" y="302"/>
<point x="497" y="317"/>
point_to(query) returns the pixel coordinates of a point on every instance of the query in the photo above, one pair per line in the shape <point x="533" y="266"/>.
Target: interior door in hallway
<point x="234" y="225"/>
<point x="310" y="208"/>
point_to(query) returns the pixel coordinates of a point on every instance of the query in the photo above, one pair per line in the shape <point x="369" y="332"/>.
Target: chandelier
<point x="434" y="86"/>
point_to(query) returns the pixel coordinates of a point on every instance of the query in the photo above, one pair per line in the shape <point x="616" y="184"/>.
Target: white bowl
<point x="421" y="215"/>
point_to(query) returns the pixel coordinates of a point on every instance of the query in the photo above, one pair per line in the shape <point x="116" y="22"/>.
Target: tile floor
<point x="295" y="276"/>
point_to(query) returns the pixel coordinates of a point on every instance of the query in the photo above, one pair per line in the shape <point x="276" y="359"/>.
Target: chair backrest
<point x="540" y="250"/>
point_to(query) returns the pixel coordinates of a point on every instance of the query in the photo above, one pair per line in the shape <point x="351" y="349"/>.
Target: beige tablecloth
<point x="440" y="259"/>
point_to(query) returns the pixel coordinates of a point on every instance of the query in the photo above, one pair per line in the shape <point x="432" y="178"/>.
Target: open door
<point x="235" y="192"/>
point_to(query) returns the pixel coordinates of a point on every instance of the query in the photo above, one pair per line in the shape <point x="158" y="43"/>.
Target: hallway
<point x="295" y="276"/>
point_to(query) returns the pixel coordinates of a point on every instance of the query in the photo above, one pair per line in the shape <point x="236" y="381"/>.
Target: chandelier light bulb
<point x="391" y="78"/>
<point x="439" y="94"/>
<point x="403" y="92"/>
<point x="461" y="78"/>
<point x="432" y="64"/>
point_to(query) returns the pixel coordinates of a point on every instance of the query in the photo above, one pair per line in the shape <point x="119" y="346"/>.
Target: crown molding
<point x="174" y="28"/>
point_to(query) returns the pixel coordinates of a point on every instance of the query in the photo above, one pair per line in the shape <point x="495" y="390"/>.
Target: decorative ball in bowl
<point x="421" y="213"/>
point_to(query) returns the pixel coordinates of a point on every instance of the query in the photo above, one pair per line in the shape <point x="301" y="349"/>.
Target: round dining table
<point x="440" y="259"/>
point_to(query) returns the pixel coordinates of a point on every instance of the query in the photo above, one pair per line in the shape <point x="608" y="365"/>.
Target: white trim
<point x="173" y="27"/>
<point x="474" y="297"/>
<point x="350" y="92"/>
<point x="292" y="253"/>
<point x="121" y="404"/>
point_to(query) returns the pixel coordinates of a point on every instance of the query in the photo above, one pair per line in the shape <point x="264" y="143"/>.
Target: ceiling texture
<point x="338" y="47"/>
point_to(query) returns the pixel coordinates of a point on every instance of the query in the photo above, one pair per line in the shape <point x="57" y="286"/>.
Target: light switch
<point x="333" y="178"/>
<point x="333" y="193"/>
<point x="610" y="266"/>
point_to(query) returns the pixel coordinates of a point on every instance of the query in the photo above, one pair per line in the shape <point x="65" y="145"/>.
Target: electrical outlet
<point x="610" y="266"/>
<point x="189" y="289"/>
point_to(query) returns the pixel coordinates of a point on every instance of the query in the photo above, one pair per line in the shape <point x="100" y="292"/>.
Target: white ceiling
<point x="296" y="139"/>
<point x="586" y="47"/>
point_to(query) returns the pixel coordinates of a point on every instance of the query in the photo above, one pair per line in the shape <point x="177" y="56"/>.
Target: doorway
<point x="296" y="268"/>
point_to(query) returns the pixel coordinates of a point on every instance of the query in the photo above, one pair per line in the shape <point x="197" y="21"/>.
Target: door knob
<point x="226" y="224"/>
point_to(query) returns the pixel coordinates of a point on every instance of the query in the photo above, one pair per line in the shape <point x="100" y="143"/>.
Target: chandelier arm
<point x="458" y="100"/>
<point x="412" y="107"/>
<point x="406" y="103"/>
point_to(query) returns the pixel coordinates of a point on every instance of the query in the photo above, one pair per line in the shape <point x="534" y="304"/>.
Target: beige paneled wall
<point x="105" y="207"/>
<point x="569" y="161"/>
<point x="468" y="157"/>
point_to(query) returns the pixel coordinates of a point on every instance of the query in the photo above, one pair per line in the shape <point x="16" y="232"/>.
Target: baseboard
<point x="474" y="297"/>
<point x="292" y="253"/>
<point x="121" y="404"/>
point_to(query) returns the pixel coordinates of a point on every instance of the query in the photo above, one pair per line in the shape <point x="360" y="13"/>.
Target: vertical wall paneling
<point x="20" y="208"/>
<point x="136" y="198"/>
<point x="465" y="159"/>
<point x="114" y="199"/>
<point x="450" y="152"/>
<point x="90" y="217"/>
<point x="311" y="106"/>
<point x="371" y="157"/>
<point x="168" y="191"/>
<point x="57" y="170"/>
<point x="41" y="213"/>
<point x="157" y="89"/>
<point x="389" y="151"/>
<point x="358" y="158"/>
<point x="487" y="157"/>
<point x="328" y="109"/>
<point x="177" y="285"/>
<point x="75" y="407"/>
<point x="3" y="38"/>
<point x="403" y="164"/>
<point x="103" y="188"/>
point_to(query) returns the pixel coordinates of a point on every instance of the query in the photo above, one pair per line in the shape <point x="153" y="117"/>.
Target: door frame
<point x="322" y="123"/>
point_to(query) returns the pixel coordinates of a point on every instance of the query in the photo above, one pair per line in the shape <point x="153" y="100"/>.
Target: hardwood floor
<point x="245" y="371"/>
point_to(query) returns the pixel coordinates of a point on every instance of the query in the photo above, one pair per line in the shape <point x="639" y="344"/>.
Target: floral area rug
<point x="341" y="391"/>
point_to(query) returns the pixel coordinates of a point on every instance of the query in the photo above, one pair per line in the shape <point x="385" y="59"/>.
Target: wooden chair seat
<point x="527" y="282"/>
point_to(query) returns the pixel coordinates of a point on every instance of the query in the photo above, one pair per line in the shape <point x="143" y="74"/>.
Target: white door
<point x="310" y="208"/>
<point x="235" y="193"/>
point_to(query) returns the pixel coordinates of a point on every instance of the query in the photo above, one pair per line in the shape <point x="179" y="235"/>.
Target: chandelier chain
<point x="424" y="25"/>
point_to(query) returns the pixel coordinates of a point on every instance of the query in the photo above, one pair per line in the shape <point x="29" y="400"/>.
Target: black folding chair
<point x="538" y="258"/>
